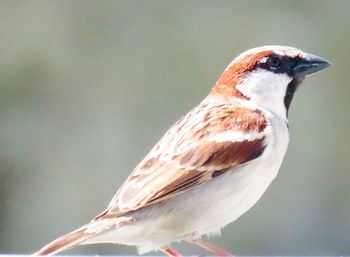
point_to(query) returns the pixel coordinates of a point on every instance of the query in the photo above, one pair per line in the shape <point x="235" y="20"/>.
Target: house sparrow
<point x="212" y="165"/>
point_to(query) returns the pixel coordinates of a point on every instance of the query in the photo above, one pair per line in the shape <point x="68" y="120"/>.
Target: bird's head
<point x="267" y="76"/>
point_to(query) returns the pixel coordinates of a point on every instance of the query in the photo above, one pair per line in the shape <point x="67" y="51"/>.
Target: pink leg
<point x="170" y="251"/>
<point x="217" y="251"/>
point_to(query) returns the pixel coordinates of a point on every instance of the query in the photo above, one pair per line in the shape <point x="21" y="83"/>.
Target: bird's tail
<point x="65" y="242"/>
<point x="83" y="234"/>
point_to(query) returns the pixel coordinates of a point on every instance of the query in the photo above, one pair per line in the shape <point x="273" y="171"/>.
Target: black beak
<point x="308" y="65"/>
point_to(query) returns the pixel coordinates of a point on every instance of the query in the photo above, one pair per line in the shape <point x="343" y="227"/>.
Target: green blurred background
<point x="88" y="87"/>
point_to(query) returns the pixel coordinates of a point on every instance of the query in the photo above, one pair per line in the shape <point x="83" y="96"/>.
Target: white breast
<point x="224" y="199"/>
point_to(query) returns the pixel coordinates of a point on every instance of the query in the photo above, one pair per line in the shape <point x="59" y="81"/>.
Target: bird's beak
<point x="310" y="64"/>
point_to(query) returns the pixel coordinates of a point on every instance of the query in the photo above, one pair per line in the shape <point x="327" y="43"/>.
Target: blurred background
<point x="88" y="87"/>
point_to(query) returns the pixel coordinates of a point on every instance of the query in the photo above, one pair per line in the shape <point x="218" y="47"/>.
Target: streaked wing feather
<point x="204" y="144"/>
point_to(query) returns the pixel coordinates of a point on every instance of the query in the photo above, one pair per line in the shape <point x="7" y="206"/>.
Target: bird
<point x="212" y="165"/>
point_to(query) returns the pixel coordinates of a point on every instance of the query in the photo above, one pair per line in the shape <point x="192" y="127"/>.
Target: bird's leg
<point x="217" y="251"/>
<point x="170" y="251"/>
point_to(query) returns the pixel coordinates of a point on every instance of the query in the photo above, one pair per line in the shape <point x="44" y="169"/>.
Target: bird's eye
<point x="274" y="62"/>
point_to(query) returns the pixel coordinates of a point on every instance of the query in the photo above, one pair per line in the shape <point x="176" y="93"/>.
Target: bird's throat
<point x="291" y="88"/>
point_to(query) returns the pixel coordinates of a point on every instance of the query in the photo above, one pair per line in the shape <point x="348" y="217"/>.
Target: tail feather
<point x="65" y="242"/>
<point x="77" y="237"/>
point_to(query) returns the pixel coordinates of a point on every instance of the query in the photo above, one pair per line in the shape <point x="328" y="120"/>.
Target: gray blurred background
<point x="88" y="87"/>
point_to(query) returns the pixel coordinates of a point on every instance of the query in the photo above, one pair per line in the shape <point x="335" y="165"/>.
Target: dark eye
<point x="274" y="62"/>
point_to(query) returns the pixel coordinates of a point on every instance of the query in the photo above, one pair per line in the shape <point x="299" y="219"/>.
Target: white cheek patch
<point x="266" y="89"/>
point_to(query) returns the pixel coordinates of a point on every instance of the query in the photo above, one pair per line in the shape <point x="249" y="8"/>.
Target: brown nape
<point x="235" y="74"/>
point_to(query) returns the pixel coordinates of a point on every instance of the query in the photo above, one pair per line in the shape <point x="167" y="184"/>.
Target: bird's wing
<point x="207" y="142"/>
